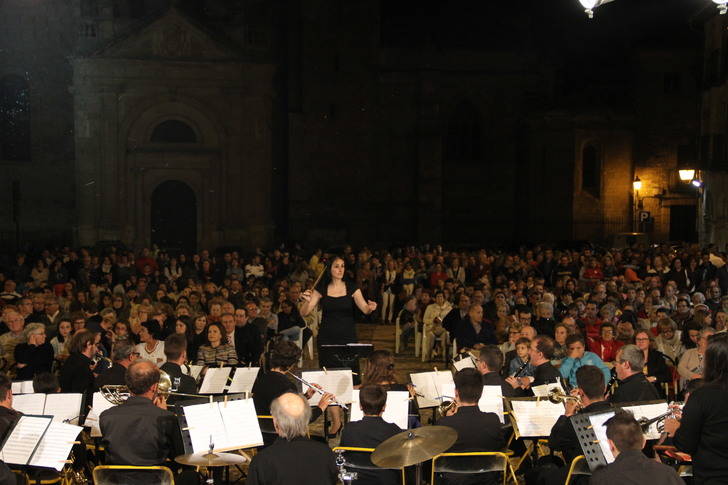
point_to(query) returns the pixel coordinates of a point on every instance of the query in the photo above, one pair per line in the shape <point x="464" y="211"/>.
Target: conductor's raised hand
<point x="306" y="295"/>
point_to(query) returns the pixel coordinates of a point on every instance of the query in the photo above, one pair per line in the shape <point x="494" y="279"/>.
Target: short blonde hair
<point x="32" y="328"/>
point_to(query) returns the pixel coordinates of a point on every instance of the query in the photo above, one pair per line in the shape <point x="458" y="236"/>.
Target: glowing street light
<point x="722" y="6"/>
<point x="637" y="183"/>
<point x="590" y="5"/>
<point x="686" y="174"/>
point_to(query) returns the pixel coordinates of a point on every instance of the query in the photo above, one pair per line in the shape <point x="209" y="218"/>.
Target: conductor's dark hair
<point x="5" y="387"/>
<point x="141" y="376"/>
<point x="284" y="355"/>
<point x="372" y="398"/>
<point x="492" y="356"/>
<point x="591" y="381"/>
<point x="624" y="430"/>
<point x="469" y="384"/>
<point x="716" y="360"/>
<point x="46" y="383"/>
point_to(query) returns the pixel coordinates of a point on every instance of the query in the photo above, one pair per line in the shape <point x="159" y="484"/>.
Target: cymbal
<point x="414" y="446"/>
<point x="210" y="459"/>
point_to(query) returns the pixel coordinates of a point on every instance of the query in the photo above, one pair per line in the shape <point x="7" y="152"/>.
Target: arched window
<point x="14" y="118"/>
<point x="173" y="131"/>
<point x="591" y="170"/>
<point x="462" y="140"/>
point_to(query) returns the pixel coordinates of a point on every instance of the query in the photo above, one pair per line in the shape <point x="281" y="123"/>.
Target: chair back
<point x="132" y="475"/>
<point x="578" y="467"/>
<point x="472" y="463"/>
<point x="21" y="478"/>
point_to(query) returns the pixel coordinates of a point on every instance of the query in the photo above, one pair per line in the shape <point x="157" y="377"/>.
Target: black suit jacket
<point x="8" y="417"/>
<point x="545" y="374"/>
<point x="248" y="345"/>
<point x="76" y="374"/>
<point x="268" y="386"/>
<point x="299" y="461"/>
<point x="495" y="379"/>
<point x="180" y="382"/>
<point x="635" y="388"/>
<point x="466" y="336"/>
<point x="369" y="433"/>
<point x="632" y="467"/>
<point x="139" y="433"/>
<point x="113" y="376"/>
<point x="477" y="431"/>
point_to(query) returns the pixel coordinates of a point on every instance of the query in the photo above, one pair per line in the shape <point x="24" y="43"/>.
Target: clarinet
<point x="611" y="382"/>
<point x="522" y="368"/>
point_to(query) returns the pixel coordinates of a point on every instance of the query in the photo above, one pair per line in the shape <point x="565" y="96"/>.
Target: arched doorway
<point x="174" y="216"/>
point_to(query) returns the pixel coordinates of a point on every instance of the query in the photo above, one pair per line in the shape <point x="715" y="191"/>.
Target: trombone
<point x="118" y="394"/>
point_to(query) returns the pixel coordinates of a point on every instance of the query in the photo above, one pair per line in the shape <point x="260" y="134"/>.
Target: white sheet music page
<point x="243" y="379"/>
<point x="21" y="443"/>
<point x="338" y="382"/>
<point x="241" y="424"/>
<point x="29" y="403"/>
<point x="536" y="418"/>
<point x="649" y="411"/>
<point x="63" y="406"/>
<point x="600" y="431"/>
<point x="195" y="370"/>
<point x="544" y="389"/>
<point x="22" y="387"/>
<point x="431" y="386"/>
<point x="216" y="379"/>
<point x="396" y="410"/>
<point x="204" y="421"/>
<point x="54" y="448"/>
<point x="491" y="401"/>
<point x="98" y="406"/>
<point x="464" y="363"/>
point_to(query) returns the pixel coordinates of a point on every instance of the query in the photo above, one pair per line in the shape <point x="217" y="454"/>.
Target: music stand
<point x="344" y="356"/>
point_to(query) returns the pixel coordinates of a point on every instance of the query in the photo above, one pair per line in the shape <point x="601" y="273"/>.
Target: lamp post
<point x="636" y="185"/>
<point x="590" y="5"/>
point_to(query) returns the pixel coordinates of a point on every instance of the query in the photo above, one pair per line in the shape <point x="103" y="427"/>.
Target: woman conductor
<point x="337" y="297"/>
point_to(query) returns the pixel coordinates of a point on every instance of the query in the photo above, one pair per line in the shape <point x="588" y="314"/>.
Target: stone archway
<point x="174" y="217"/>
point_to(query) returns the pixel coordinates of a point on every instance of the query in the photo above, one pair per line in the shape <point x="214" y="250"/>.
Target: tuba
<point x="117" y="394"/>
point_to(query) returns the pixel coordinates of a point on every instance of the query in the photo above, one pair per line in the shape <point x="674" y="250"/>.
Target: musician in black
<point x="489" y="363"/>
<point x="540" y="355"/>
<point x="77" y="373"/>
<point x="701" y="431"/>
<point x="370" y="432"/>
<point x="8" y="415"/>
<point x="477" y="431"/>
<point x="294" y="459"/>
<point x="141" y="431"/>
<point x="122" y="356"/>
<point x="633" y="385"/>
<point x="630" y="465"/>
<point x="175" y="349"/>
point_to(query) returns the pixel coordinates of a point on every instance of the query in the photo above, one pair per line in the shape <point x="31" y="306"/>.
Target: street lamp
<point x="590" y="5"/>
<point x="686" y="174"/>
<point x="722" y="6"/>
<point x="637" y="183"/>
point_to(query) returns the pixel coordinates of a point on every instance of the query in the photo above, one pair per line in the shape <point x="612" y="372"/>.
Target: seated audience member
<point x="62" y="337"/>
<point x="453" y="318"/>
<point x="293" y="459"/>
<point x="625" y="331"/>
<point x="175" y="350"/>
<point x="691" y="362"/>
<point x="35" y="355"/>
<point x="668" y="340"/>
<point x="370" y="432"/>
<point x="290" y="322"/>
<point x="217" y="351"/>
<point x="77" y="373"/>
<point x="578" y="357"/>
<point x="248" y="342"/>
<point x="655" y="369"/>
<point x="8" y="415"/>
<point x="151" y="348"/>
<point x="630" y="464"/>
<point x="122" y="357"/>
<point x="477" y="431"/>
<point x="489" y="363"/>
<point x="606" y="347"/>
<point x="473" y="332"/>
<point x="140" y="431"/>
<point x="46" y="383"/>
<point x="407" y="321"/>
<point x="520" y="364"/>
<point x="14" y="336"/>
<point x="563" y="437"/>
<point x="561" y="331"/>
<point x="633" y="385"/>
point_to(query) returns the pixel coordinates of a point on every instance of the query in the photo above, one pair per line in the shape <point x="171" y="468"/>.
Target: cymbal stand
<point x="345" y="476"/>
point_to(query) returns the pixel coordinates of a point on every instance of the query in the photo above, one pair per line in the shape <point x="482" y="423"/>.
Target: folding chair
<point x="132" y="475"/>
<point x="578" y="467"/>
<point x="474" y="462"/>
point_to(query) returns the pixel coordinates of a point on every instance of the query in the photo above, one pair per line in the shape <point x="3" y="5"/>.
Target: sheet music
<point x="600" y="431"/>
<point x="241" y="423"/>
<point x="216" y="379"/>
<point x="29" y="403"/>
<point x="54" y="448"/>
<point x="203" y="421"/>
<point x="195" y="370"/>
<point x="339" y="382"/>
<point x="396" y="410"/>
<point x="243" y="379"/>
<point x="63" y="406"/>
<point x="21" y="443"/>
<point x="22" y="387"/>
<point x="649" y="411"/>
<point x="432" y="386"/>
<point x="464" y="363"/>
<point x="544" y="389"/>
<point x="536" y="418"/>
<point x="492" y="401"/>
<point x="99" y="405"/>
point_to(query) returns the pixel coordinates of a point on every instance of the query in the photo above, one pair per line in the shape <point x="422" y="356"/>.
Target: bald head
<point x="141" y="376"/>
<point x="291" y="414"/>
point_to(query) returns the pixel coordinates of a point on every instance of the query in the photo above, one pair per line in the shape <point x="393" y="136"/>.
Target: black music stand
<point x="344" y="356"/>
<point x="590" y="446"/>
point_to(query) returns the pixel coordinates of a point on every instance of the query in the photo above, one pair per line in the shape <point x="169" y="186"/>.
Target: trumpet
<point x="117" y="394"/>
<point x="445" y="407"/>
<point x="556" y="396"/>
<point x="660" y="420"/>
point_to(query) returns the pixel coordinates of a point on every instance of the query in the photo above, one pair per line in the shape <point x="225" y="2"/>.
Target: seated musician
<point x="122" y="356"/>
<point x="563" y="437"/>
<point x="477" y="431"/>
<point x="77" y="374"/>
<point x="489" y="363"/>
<point x="294" y="459"/>
<point x="46" y="383"/>
<point x="140" y="431"/>
<point x="370" y="432"/>
<point x="8" y="415"/>
<point x="540" y="354"/>
<point x="633" y="385"/>
<point x="631" y="465"/>
<point x="175" y="349"/>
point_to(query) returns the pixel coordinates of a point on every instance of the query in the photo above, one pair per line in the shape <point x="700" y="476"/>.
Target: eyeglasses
<point x="643" y="339"/>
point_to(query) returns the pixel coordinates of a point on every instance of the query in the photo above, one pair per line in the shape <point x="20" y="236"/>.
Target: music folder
<point x="433" y="387"/>
<point x="60" y="406"/>
<point x="243" y="379"/>
<point x="39" y="441"/>
<point x="216" y="380"/>
<point x="533" y="417"/>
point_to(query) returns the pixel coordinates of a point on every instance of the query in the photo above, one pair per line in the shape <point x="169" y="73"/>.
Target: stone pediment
<point x="173" y="36"/>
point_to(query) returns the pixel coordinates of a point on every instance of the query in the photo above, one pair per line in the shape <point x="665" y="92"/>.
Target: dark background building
<point x="217" y="123"/>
